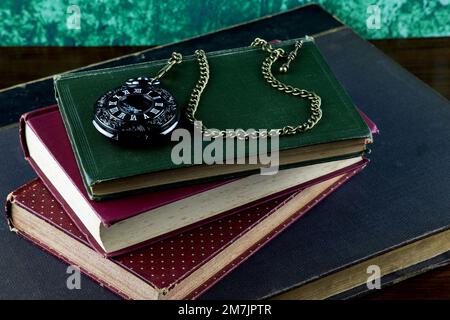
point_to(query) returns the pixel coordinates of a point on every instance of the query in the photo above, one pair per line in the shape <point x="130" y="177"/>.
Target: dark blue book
<point x="393" y="215"/>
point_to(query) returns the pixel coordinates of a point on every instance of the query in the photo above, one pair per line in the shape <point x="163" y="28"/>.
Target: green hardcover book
<point x="237" y="96"/>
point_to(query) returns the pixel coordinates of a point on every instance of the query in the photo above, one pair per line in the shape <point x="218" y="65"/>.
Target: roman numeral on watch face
<point x="114" y="110"/>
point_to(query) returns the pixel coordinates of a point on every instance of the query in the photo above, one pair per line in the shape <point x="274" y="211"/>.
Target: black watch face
<point x="138" y="110"/>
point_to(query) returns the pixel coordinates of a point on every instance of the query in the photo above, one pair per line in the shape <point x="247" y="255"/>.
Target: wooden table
<point x="428" y="59"/>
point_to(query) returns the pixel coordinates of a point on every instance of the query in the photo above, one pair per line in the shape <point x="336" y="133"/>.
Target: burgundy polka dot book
<point x="182" y="266"/>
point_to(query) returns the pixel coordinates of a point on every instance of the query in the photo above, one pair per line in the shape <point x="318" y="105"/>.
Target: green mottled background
<point x="134" y="22"/>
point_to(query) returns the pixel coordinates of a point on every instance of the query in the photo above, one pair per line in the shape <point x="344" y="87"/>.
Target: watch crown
<point x="141" y="81"/>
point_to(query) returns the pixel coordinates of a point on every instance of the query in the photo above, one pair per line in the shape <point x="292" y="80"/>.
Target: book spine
<point x="22" y="123"/>
<point x="47" y="183"/>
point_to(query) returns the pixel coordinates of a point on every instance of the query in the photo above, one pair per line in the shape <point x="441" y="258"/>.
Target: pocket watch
<point x="138" y="111"/>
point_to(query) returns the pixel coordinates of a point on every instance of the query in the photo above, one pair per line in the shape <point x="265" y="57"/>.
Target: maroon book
<point x="51" y="155"/>
<point x="179" y="267"/>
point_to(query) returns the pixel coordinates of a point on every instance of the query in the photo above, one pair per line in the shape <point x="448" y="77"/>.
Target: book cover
<point x="236" y="89"/>
<point x="183" y="266"/>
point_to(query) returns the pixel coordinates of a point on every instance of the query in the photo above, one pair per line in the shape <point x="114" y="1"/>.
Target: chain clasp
<point x="291" y="56"/>
<point x="176" y="58"/>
